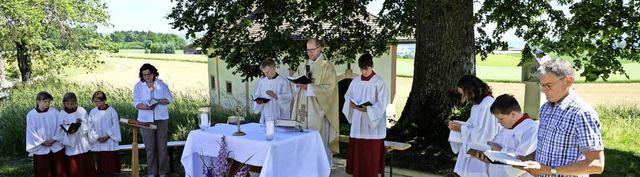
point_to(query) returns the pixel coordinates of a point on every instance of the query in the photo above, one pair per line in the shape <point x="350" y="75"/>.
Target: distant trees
<point x="166" y="43"/>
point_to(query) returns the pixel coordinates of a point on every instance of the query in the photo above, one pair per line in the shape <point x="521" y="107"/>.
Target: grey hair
<point x="558" y="67"/>
<point x="316" y="42"/>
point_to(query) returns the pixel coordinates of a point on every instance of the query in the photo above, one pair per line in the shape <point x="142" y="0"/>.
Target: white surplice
<point x="521" y="140"/>
<point x="106" y="122"/>
<point x="279" y="108"/>
<point x="43" y="127"/>
<point x="80" y="141"/>
<point x="481" y="127"/>
<point x="370" y="124"/>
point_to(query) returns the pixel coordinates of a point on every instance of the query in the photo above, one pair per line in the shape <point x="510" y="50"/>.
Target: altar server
<point x="481" y="126"/>
<point x="518" y="136"/>
<point x="77" y="143"/>
<point x="365" y="105"/>
<point x="43" y="138"/>
<point x="275" y="88"/>
<point x="105" y="121"/>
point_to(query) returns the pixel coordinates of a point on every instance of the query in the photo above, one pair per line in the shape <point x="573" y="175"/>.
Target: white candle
<point x="270" y="130"/>
<point x="204" y="119"/>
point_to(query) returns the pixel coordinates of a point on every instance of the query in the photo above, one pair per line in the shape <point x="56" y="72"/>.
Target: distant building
<point x="192" y="50"/>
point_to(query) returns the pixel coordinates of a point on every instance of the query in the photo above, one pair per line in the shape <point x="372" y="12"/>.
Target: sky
<point x="149" y="15"/>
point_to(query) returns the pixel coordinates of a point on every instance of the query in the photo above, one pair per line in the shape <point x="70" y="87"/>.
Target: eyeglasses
<point x="145" y="75"/>
<point x="548" y="86"/>
<point x="98" y="101"/>
<point x="311" y="50"/>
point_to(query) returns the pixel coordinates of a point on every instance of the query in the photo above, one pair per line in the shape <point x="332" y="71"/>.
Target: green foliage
<point x="594" y="33"/>
<point x="146" y="51"/>
<point x="38" y="29"/>
<point x="140" y="39"/>
<point x="183" y="111"/>
<point x="51" y="63"/>
<point x="280" y="31"/>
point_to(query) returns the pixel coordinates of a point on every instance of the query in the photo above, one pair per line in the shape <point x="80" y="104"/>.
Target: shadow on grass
<point x="620" y="163"/>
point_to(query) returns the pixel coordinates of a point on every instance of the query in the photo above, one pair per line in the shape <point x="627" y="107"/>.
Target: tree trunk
<point x="444" y="52"/>
<point x="2" y="75"/>
<point x="24" y="61"/>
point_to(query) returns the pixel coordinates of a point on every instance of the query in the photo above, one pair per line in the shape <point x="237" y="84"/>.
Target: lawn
<point x="139" y="54"/>
<point x="503" y="68"/>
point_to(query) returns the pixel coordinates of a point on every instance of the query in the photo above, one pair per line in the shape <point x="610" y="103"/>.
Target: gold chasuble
<point x="316" y="111"/>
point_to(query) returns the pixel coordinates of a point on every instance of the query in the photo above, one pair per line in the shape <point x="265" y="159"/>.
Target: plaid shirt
<point x="566" y="131"/>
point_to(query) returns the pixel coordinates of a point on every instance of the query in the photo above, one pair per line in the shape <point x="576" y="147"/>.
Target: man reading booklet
<point x="519" y="137"/>
<point x="273" y="96"/>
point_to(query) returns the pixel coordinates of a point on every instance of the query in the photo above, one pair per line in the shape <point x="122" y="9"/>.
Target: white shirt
<point x="521" y="140"/>
<point x="80" y="141"/>
<point x="106" y="122"/>
<point x="370" y="124"/>
<point x="279" y="108"/>
<point x="141" y="93"/>
<point x="42" y="127"/>
<point x="481" y="127"/>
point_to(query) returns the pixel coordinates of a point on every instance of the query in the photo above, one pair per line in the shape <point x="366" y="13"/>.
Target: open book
<point x="496" y="157"/>
<point x="264" y="100"/>
<point x="152" y="102"/>
<point x="360" y="104"/>
<point x="70" y="128"/>
<point x="300" y="79"/>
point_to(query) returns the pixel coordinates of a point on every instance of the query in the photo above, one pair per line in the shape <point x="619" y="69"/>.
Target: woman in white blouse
<point x="151" y="96"/>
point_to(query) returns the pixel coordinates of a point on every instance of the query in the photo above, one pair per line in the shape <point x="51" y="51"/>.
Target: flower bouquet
<point x="222" y="164"/>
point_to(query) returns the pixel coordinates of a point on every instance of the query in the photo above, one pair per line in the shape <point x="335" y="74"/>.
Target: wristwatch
<point x="553" y="171"/>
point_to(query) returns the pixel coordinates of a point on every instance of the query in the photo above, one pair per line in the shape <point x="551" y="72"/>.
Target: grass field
<point x="139" y="54"/>
<point x="503" y="68"/>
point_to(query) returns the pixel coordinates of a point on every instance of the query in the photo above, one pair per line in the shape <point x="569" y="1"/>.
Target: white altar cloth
<point x="290" y="153"/>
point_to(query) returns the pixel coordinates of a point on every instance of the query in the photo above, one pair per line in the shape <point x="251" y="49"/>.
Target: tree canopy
<point x="143" y="39"/>
<point x="596" y="34"/>
<point x="27" y="27"/>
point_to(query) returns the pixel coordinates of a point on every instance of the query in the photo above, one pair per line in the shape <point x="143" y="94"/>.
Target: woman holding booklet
<point x="365" y="112"/>
<point x="481" y="127"/>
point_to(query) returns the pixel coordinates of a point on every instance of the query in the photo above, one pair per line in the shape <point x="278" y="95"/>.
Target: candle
<point x="270" y="128"/>
<point x="204" y="119"/>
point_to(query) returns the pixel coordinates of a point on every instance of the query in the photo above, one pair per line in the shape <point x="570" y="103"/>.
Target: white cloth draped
<point x="141" y="94"/>
<point x="290" y="153"/>
<point x="521" y="140"/>
<point x="80" y="141"/>
<point x="370" y="124"/>
<point x="481" y="127"/>
<point x="42" y="127"/>
<point x="106" y="122"/>
<point x="279" y="108"/>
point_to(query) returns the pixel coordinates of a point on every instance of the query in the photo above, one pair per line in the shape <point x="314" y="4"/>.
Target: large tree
<point x="596" y="34"/>
<point x="26" y="25"/>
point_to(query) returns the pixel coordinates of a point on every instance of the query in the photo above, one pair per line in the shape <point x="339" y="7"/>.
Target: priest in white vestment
<point x="275" y="88"/>
<point x="316" y="104"/>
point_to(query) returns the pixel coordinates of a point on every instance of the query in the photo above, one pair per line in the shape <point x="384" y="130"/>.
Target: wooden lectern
<point x="135" y="125"/>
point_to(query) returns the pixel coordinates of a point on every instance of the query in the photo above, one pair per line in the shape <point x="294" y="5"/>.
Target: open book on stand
<point x="300" y="79"/>
<point x="70" y="128"/>
<point x="361" y="104"/>
<point x="264" y="100"/>
<point x="496" y="157"/>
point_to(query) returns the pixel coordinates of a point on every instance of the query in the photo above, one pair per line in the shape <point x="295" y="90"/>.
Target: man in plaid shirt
<point x="569" y="138"/>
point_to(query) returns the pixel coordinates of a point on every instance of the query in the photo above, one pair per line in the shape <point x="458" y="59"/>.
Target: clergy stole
<point x="316" y="110"/>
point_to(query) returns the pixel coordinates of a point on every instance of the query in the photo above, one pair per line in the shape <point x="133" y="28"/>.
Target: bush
<point x="183" y="112"/>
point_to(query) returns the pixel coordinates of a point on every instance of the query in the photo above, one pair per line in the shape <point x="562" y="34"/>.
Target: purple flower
<point x="222" y="166"/>
<point x="243" y="171"/>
